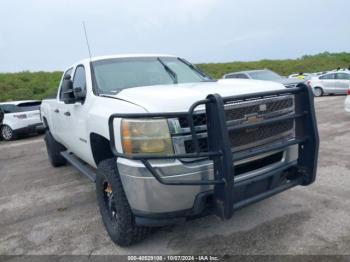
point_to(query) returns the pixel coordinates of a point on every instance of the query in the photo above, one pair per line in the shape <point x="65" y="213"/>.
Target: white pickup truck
<point x="164" y="142"/>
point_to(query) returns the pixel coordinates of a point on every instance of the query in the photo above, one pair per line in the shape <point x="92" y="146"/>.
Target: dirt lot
<point x="53" y="211"/>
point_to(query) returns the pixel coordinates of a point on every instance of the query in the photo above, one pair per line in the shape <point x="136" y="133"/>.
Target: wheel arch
<point x="100" y="148"/>
<point x="321" y="88"/>
<point x="46" y="124"/>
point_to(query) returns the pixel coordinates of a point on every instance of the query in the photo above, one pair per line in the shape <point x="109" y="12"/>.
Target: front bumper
<point x="147" y="195"/>
<point x="161" y="187"/>
<point x="34" y="128"/>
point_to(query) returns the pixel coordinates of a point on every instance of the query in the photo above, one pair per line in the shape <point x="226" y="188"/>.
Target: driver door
<point x="75" y="116"/>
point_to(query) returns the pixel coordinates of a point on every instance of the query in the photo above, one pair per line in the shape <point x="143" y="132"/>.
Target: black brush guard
<point x="220" y="151"/>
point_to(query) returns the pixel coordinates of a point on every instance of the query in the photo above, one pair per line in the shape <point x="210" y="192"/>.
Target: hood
<point x="179" y="97"/>
<point x="290" y="81"/>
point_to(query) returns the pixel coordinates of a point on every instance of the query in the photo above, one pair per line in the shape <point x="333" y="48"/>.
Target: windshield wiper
<point x="197" y="69"/>
<point x="170" y="72"/>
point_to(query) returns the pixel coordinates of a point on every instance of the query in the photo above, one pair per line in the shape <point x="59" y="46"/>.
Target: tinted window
<point x="79" y="78"/>
<point x="66" y="74"/>
<point x="232" y="76"/>
<point x="265" y="75"/>
<point x="29" y="106"/>
<point x="9" y="109"/>
<point x="343" y="76"/>
<point x="329" y="76"/>
<point x="241" y="76"/>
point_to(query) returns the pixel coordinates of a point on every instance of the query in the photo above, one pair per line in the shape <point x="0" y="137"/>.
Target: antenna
<point x="87" y="40"/>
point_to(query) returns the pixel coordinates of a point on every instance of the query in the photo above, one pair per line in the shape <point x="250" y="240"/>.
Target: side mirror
<point x="67" y="91"/>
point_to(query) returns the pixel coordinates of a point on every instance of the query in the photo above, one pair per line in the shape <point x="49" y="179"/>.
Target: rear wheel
<point x="318" y="91"/>
<point x="54" y="150"/>
<point x="6" y="133"/>
<point x="114" y="207"/>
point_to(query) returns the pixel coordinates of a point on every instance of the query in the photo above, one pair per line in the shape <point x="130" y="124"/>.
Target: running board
<point x="80" y="165"/>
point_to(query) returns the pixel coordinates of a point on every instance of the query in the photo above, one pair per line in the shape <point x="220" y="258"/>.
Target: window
<point x="114" y="75"/>
<point x="231" y="76"/>
<point x="241" y="76"/>
<point x="29" y="106"/>
<point x="265" y="75"/>
<point x="343" y="76"/>
<point x="9" y="109"/>
<point x="67" y="74"/>
<point x="327" y="77"/>
<point x="79" y="78"/>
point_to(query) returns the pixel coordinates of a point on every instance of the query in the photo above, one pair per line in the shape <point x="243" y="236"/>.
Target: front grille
<point x="246" y="137"/>
<point x="270" y="107"/>
<point x="237" y="111"/>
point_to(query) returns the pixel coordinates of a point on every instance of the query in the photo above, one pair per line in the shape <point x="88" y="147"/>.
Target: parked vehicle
<point x="266" y="75"/>
<point x="330" y="83"/>
<point x="20" y="117"/>
<point x="163" y="142"/>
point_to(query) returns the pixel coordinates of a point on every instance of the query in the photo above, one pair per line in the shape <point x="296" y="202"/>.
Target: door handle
<point x="67" y="113"/>
<point x="56" y="111"/>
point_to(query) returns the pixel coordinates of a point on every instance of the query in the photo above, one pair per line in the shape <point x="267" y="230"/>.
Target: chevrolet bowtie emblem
<point x="252" y="119"/>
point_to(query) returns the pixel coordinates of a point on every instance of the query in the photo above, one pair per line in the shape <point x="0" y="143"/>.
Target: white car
<point x="330" y="83"/>
<point x="21" y="117"/>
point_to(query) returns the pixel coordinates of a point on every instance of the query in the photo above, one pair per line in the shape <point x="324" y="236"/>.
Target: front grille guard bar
<point x="219" y="146"/>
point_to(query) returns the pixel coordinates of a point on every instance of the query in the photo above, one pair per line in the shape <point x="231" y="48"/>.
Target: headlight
<point x="146" y="136"/>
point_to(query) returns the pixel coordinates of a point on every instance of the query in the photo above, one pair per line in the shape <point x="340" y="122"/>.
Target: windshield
<point x="265" y="75"/>
<point x="114" y="75"/>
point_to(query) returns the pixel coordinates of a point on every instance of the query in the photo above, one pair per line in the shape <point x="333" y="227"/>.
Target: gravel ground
<point x="53" y="211"/>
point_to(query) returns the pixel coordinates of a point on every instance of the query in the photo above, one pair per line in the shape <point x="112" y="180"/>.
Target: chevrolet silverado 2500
<point x="164" y="142"/>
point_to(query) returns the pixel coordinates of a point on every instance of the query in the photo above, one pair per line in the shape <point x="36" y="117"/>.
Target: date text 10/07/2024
<point x="173" y="258"/>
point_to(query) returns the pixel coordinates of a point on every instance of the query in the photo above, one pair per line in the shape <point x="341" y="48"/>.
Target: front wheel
<point x="6" y="133"/>
<point x="114" y="206"/>
<point x="318" y="91"/>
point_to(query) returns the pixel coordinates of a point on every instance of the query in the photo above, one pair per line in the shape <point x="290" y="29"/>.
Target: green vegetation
<point x="39" y="85"/>
<point x="307" y="64"/>
<point x="28" y="85"/>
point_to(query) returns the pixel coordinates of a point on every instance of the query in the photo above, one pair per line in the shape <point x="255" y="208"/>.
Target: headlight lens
<point x="146" y="136"/>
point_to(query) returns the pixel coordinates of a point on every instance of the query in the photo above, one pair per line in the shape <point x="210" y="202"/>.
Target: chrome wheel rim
<point x="6" y="132"/>
<point x="318" y="92"/>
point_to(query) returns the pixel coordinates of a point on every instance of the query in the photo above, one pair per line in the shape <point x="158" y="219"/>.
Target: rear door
<point x="9" y="119"/>
<point x="342" y="83"/>
<point x="328" y="82"/>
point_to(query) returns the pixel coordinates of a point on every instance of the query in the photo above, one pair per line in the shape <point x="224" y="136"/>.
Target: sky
<point x="48" y="34"/>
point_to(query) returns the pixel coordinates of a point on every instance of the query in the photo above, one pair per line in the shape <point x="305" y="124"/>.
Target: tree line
<point x="39" y="85"/>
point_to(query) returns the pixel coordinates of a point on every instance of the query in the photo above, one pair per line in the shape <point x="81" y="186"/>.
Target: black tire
<point x="114" y="206"/>
<point x="6" y="133"/>
<point x="54" y="150"/>
<point x="318" y="91"/>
